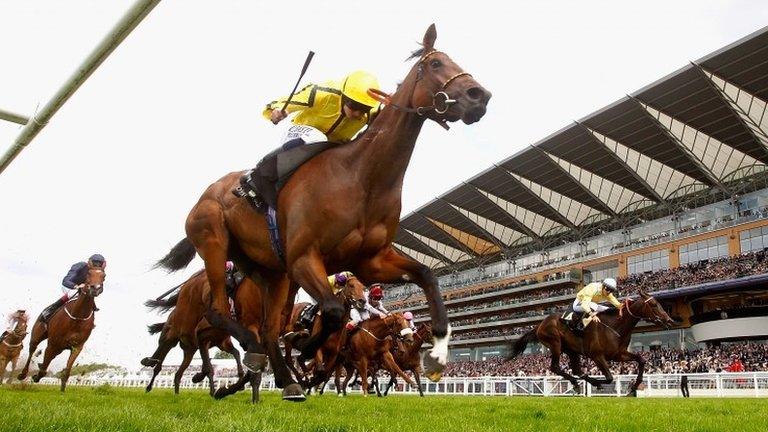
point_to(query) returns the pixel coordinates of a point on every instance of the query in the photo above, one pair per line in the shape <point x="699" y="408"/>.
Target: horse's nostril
<point x="475" y="93"/>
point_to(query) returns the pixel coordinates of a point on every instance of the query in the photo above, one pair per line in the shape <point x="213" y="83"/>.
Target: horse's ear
<point x="429" y="38"/>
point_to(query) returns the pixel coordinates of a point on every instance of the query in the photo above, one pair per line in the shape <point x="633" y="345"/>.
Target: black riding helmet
<point x="97" y="260"/>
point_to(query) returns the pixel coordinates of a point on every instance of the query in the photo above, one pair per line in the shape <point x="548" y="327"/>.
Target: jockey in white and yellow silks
<point x="333" y="111"/>
<point x="588" y="298"/>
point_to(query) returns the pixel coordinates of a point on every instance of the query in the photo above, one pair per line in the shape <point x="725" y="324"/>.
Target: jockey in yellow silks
<point x="587" y="298"/>
<point x="333" y="111"/>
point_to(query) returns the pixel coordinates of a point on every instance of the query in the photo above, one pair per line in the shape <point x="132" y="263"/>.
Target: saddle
<point x="573" y="320"/>
<point x="261" y="185"/>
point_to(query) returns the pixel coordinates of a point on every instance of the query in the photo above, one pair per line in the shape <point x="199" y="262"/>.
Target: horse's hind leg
<point x="276" y="297"/>
<point x="575" y="363"/>
<point x="189" y="351"/>
<point x="602" y="364"/>
<point x="50" y="354"/>
<point x="73" y="353"/>
<point x="207" y="369"/>
<point x="164" y="346"/>
<point x="206" y="229"/>
<point x="554" y="366"/>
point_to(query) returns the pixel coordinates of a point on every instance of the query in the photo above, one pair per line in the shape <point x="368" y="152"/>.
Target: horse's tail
<point x="519" y="345"/>
<point x="179" y="256"/>
<point x="165" y="304"/>
<point x="156" y="327"/>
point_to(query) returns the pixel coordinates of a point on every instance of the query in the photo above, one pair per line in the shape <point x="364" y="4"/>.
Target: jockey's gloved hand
<point x="350" y="326"/>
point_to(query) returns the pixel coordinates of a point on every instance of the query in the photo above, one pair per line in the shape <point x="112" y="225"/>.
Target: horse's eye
<point x="435" y="64"/>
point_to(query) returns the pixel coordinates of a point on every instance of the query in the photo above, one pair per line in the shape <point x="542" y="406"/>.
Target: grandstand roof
<point x="701" y="128"/>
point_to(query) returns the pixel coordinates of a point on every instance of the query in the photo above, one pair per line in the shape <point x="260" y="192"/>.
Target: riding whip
<point x="303" y="71"/>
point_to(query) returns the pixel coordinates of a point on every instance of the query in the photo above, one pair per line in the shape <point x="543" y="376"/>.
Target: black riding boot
<point x="50" y="310"/>
<point x="2" y="337"/>
<point x="576" y="322"/>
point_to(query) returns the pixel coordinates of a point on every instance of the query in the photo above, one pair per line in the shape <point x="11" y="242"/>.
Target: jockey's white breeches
<point x="592" y="306"/>
<point x="307" y="133"/>
<point x="68" y="292"/>
<point x="356" y="316"/>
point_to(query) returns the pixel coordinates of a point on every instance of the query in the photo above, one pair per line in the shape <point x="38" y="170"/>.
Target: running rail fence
<point x="748" y="384"/>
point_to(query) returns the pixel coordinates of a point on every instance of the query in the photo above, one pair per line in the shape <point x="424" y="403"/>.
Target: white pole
<point x="13" y="117"/>
<point x="122" y="29"/>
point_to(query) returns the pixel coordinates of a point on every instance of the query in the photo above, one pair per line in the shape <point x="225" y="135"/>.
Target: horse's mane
<point x="416" y="54"/>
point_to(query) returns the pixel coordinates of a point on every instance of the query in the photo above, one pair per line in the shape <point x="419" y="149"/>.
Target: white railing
<point x="748" y="384"/>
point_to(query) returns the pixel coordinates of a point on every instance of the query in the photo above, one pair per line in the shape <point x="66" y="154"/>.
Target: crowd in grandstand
<point x="698" y="272"/>
<point x="736" y="357"/>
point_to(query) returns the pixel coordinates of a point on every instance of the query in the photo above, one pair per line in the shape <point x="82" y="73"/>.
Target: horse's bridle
<point x="90" y="292"/>
<point x="20" y="335"/>
<point x="441" y="102"/>
<point x="629" y="311"/>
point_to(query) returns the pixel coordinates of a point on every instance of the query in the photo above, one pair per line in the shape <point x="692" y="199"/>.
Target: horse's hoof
<point x="433" y="369"/>
<point x="255" y="362"/>
<point x="36" y="378"/>
<point x="198" y="377"/>
<point x="220" y="393"/>
<point x="294" y="393"/>
<point x="22" y="376"/>
<point x="149" y="362"/>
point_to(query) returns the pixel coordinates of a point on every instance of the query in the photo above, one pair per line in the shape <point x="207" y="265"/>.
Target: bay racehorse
<point x="407" y="357"/>
<point x="68" y="328"/>
<point x="602" y="341"/>
<point x="11" y="348"/>
<point x="351" y="295"/>
<point x="372" y="344"/>
<point x="339" y="211"/>
<point x="186" y="326"/>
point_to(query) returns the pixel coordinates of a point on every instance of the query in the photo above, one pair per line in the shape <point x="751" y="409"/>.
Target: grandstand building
<point x="666" y="189"/>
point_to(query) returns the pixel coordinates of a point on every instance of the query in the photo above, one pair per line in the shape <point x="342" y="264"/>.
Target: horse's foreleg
<point x="13" y="367"/>
<point x="391" y="267"/>
<point x="417" y="378"/>
<point x="362" y="371"/>
<point x="309" y="272"/>
<point x="73" y="353"/>
<point x="236" y="354"/>
<point x="391" y="364"/>
<point x="225" y="391"/>
<point x="392" y="382"/>
<point x="33" y="343"/>
<point x="3" y="365"/>
<point x="255" y="387"/>
<point x="628" y="356"/>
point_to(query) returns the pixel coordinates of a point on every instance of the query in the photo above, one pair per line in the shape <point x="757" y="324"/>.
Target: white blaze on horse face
<point x="440" y="348"/>
<point x="406" y="331"/>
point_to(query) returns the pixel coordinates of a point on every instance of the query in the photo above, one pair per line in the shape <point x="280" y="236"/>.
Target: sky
<point x="178" y="104"/>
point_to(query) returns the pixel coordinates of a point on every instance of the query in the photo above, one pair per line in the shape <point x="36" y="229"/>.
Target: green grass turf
<point x="102" y="409"/>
